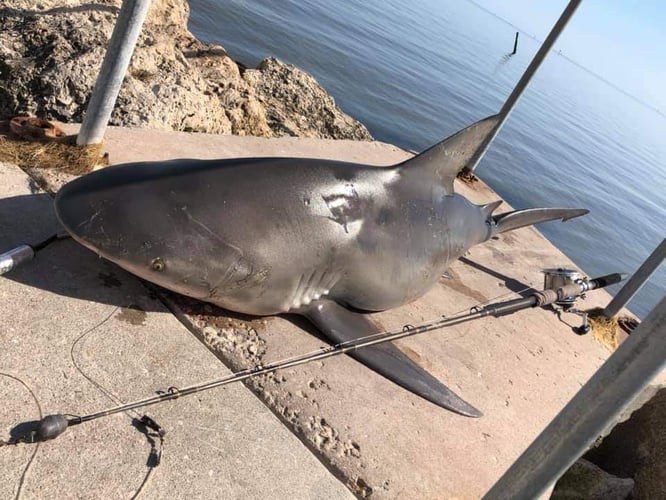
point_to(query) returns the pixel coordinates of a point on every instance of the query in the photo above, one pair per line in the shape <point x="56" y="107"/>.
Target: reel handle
<point x="609" y="279"/>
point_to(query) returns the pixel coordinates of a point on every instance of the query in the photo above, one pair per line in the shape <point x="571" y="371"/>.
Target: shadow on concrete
<point x="26" y="218"/>
<point x="64" y="267"/>
<point x="68" y="269"/>
<point x="510" y="283"/>
<point x="219" y="316"/>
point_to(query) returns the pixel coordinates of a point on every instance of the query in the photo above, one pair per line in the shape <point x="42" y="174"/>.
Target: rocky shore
<point x="51" y="51"/>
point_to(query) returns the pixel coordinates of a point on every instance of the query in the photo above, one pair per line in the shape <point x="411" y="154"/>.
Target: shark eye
<point x="157" y="264"/>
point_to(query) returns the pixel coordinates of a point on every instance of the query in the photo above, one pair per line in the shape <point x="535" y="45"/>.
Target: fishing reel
<point x="556" y="278"/>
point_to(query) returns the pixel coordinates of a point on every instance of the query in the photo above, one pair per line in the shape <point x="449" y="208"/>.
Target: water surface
<point x="416" y="72"/>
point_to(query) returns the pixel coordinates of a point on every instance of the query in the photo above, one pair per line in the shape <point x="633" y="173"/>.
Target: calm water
<point x="416" y="72"/>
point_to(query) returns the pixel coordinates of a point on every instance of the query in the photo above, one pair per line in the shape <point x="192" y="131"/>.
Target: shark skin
<point x="325" y="239"/>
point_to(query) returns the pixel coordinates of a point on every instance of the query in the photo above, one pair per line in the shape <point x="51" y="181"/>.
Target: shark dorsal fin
<point x="444" y="160"/>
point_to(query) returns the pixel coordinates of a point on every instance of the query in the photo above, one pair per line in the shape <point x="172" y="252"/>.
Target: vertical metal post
<point x="637" y="280"/>
<point x="525" y="80"/>
<point x="110" y="78"/>
<point x="596" y="406"/>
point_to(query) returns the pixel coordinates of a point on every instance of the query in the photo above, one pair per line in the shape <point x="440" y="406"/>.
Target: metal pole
<point x="637" y="280"/>
<point x="525" y="80"/>
<point x="110" y="78"/>
<point x="596" y="406"/>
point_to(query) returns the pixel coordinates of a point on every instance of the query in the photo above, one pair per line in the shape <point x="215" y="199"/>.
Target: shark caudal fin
<point x="443" y="161"/>
<point x="521" y="218"/>
<point x="339" y="324"/>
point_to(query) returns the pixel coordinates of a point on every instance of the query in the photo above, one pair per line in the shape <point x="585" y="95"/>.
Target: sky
<point x="623" y="41"/>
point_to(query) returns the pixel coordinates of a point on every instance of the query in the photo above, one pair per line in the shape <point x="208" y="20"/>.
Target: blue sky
<point x="621" y="40"/>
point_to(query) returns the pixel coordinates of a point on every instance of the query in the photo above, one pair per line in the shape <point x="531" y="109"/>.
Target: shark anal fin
<point x="339" y="324"/>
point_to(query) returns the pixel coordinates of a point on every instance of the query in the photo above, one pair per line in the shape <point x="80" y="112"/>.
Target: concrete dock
<point x="83" y="334"/>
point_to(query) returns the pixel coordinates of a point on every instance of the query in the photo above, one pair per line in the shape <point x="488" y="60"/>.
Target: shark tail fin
<point x="339" y="325"/>
<point x="443" y="161"/>
<point x="521" y="218"/>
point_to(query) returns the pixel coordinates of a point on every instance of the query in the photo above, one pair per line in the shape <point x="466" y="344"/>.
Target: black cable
<point x="54" y="237"/>
<point x="45" y="243"/>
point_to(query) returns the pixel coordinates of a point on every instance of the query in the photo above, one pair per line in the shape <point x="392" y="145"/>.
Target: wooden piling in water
<point x="515" y="44"/>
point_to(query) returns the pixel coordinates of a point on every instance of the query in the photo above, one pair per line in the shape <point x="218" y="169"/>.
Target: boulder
<point x="297" y="105"/>
<point x="51" y="52"/>
<point x="636" y="448"/>
<point x="586" y="481"/>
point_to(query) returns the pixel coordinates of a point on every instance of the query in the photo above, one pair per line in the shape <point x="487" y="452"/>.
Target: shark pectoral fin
<point x="342" y="325"/>
<point x="521" y="218"/>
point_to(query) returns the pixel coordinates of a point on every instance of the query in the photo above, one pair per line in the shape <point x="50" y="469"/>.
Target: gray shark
<point x="325" y="239"/>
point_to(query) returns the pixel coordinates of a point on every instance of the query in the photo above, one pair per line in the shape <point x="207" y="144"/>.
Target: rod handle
<point x="609" y="279"/>
<point x="15" y="257"/>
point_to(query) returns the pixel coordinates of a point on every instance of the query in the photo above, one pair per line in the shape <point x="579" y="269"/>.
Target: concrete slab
<point x="128" y="145"/>
<point x="519" y="370"/>
<point x="82" y="335"/>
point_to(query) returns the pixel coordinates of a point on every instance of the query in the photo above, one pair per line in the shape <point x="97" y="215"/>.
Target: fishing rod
<point x="54" y="425"/>
<point x="24" y="253"/>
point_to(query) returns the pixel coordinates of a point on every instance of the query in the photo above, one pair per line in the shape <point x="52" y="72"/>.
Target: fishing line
<point x="28" y="432"/>
<point x="108" y="394"/>
<point x="13" y="441"/>
<point x="143" y="423"/>
<point x="23" y="253"/>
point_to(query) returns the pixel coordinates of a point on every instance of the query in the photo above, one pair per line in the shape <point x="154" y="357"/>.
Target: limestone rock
<point x="298" y="105"/>
<point x="637" y="448"/>
<point x="586" y="481"/>
<point x="51" y="52"/>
